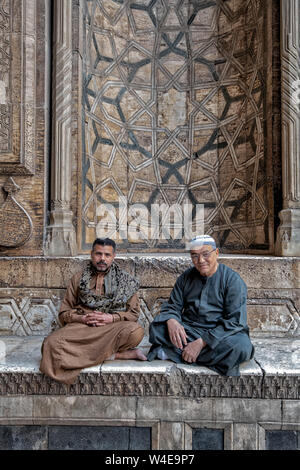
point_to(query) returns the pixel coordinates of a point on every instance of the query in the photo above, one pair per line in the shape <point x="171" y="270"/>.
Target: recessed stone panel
<point x="31" y="437"/>
<point x="208" y="439"/>
<point x="99" y="438"/>
<point x="277" y="317"/>
<point x="18" y="32"/>
<point x="173" y="114"/>
<point x="24" y="124"/>
<point x="29" y="311"/>
<point x="23" y="437"/>
<point x="282" y="440"/>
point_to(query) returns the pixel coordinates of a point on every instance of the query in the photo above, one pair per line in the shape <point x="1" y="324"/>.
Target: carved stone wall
<point x="24" y="46"/>
<point x="61" y="239"/>
<point x="244" y="424"/>
<point x="177" y="105"/>
<point x="178" y="108"/>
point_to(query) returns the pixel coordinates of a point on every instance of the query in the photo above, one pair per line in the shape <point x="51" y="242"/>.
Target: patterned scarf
<point x="119" y="287"/>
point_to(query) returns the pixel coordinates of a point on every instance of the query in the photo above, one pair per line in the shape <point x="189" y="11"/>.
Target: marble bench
<point x="274" y="372"/>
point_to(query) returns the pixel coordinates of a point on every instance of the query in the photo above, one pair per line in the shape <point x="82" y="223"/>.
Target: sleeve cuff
<point x="116" y="317"/>
<point x="210" y="340"/>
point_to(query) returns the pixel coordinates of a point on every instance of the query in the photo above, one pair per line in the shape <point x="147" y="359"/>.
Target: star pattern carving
<point x="174" y="112"/>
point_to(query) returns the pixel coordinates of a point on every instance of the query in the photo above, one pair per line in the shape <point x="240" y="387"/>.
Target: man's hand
<point x="193" y="349"/>
<point x="97" y="319"/>
<point x="177" y="333"/>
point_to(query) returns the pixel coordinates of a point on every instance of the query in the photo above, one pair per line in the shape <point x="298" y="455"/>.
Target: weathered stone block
<point x="13" y="408"/>
<point x="75" y="407"/>
<point x="172" y="435"/>
<point x="291" y="411"/>
<point x="247" y="410"/>
<point x="244" y="436"/>
<point x="174" y="409"/>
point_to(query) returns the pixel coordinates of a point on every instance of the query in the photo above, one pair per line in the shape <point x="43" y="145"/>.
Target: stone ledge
<point x="273" y="373"/>
<point x="153" y="270"/>
<point x="31" y="290"/>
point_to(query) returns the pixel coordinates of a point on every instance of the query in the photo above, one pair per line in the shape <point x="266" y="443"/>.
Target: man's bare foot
<point x="131" y="354"/>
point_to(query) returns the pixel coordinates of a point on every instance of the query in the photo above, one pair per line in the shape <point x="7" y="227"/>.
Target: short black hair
<point x="103" y="242"/>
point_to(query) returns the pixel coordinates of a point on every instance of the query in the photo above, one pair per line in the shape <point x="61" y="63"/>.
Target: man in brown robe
<point x="99" y="315"/>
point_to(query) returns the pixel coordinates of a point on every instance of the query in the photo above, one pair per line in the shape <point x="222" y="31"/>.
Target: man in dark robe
<point x="99" y="315"/>
<point x="204" y="322"/>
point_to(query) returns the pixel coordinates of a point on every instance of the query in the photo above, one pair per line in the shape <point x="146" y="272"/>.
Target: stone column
<point x="61" y="237"/>
<point x="288" y="234"/>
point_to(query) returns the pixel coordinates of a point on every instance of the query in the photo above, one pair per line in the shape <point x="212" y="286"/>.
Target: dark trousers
<point x="224" y="358"/>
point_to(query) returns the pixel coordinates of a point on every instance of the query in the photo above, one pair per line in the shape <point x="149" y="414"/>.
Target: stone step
<point x="273" y="373"/>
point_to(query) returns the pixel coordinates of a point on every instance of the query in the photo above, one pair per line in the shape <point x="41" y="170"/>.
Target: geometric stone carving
<point x="5" y="54"/>
<point x="266" y="316"/>
<point x="147" y="316"/>
<point x="30" y="316"/>
<point x="9" y="315"/>
<point x="173" y="383"/>
<point x="281" y="387"/>
<point x="17" y="105"/>
<point x="133" y="384"/>
<point x="174" y="111"/>
<point x="39" y="314"/>
<point x="277" y="317"/>
<point x="25" y="49"/>
<point x="15" y="223"/>
<point x="273" y="301"/>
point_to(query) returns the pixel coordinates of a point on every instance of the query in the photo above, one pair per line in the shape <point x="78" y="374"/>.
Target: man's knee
<point x="47" y="343"/>
<point x="131" y="334"/>
<point x="158" y="333"/>
<point x="137" y="334"/>
<point x="240" y="345"/>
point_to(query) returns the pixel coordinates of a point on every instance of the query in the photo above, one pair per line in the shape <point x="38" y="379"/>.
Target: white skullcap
<point x="199" y="241"/>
